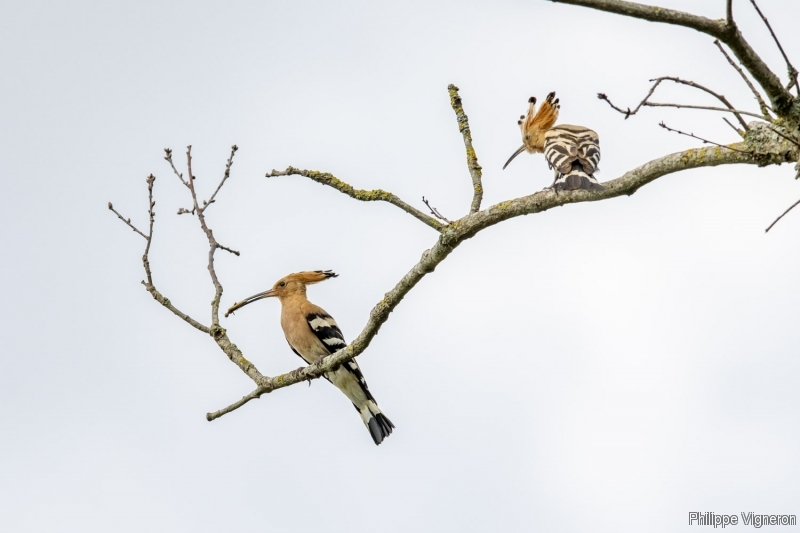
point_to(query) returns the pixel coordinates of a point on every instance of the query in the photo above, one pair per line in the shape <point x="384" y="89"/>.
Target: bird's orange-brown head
<point x="287" y="286"/>
<point x="535" y="124"/>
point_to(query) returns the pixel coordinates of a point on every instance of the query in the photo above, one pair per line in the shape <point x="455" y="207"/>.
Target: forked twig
<point x="647" y="103"/>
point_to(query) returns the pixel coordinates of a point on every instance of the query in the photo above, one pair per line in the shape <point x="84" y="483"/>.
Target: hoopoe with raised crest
<point x="313" y="334"/>
<point x="572" y="151"/>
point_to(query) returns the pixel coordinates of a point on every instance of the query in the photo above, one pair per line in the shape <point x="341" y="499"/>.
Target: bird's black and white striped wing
<point x="566" y="143"/>
<point x="328" y="332"/>
<point x="574" y="153"/>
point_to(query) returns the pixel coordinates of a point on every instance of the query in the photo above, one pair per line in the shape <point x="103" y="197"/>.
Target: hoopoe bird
<point x="573" y="151"/>
<point x="313" y="334"/>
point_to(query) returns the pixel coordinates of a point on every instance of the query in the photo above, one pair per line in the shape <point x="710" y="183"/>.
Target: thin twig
<point x="256" y="394"/>
<point x="729" y="12"/>
<point x="737" y="130"/>
<point x="234" y="252"/>
<point x="127" y="221"/>
<point x="224" y="177"/>
<point x="789" y="67"/>
<point x="374" y="195"/>
<point x="795" y="142"/>
<point x="151" y="204"/>
<point x="762" y="105"/>
<point x="628" y="112"/>
<point x="472" y="158"/>
<point x="706" y="108"/>
<point x="701" y="139"/>
<point x="780" y="217"/>
<point x="435" y="212"/>
<point x="168" y="157"/>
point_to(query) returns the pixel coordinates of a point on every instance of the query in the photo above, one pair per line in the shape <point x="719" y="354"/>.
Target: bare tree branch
<point x="213" y="245"/>
<point x="762" y="105"/>
<point x="724" y="30"/>
<point x="700" y="138"/>
<point x="359" y="194"/>
<point x="435" y="212"/>
<point x="472" y="158"/>
<point x="792" y="72"/>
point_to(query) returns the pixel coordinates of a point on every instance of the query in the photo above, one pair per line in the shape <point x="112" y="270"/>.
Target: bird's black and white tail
<point x="380" y="427"/>
<point x="378" y="423"/>
<point x="574" y="153"/>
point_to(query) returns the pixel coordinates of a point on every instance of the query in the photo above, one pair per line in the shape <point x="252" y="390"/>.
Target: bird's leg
<point x="552" y="186"/>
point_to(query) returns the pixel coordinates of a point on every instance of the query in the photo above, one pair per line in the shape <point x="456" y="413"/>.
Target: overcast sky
<point x="605" y="367"/>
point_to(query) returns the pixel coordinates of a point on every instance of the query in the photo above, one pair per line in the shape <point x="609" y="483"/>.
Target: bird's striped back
<point x="574" y="153"/>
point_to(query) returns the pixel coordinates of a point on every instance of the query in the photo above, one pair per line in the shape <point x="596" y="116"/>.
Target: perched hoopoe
<point x="313" y="334"/>
<point x="573" y="151"/>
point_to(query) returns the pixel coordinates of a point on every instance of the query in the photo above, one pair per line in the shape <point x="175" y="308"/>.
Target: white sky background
<point x="602" y="367"/>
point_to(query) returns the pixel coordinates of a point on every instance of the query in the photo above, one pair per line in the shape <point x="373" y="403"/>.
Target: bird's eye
<point x="527" y="137"/>
<point x="282" y="284"/>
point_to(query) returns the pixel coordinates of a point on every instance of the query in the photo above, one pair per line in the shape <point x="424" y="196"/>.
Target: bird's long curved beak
<point x="515" y="154"/>
<point x="251" y="299"/>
